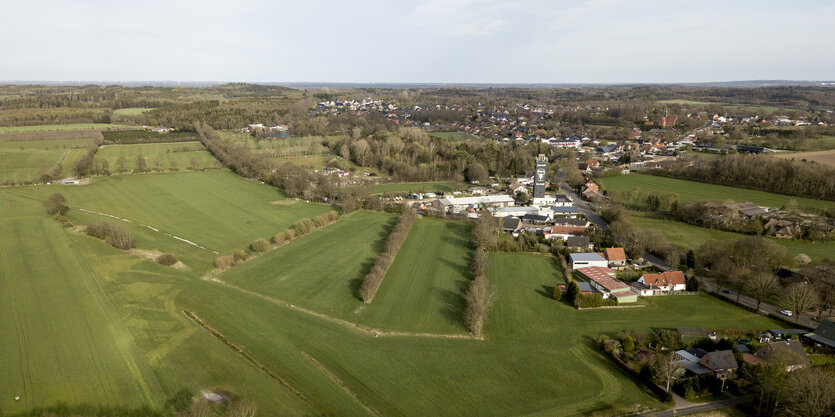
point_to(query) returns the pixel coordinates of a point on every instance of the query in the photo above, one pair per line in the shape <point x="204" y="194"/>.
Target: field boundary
<point x="345" y="323"/>
<point x="249" y="358"/>
<point x="341" y="383"/>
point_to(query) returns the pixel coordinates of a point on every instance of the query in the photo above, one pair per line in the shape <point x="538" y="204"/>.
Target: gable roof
<point x="615" y="254"/>
<point x="824" y="334"/>
<point x="586" y="257"/>
<point x="572" y="222"/>
<point x="567" y="230"/>
<point x="510" y="223"/>
<point x="797" y="355"/>
<point x="665" y="279"/>
<point x="577" y="242"/>
<point x="719" y="360"/>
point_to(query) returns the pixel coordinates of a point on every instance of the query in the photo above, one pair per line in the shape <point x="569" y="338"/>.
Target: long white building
<point x="459" y="204"/>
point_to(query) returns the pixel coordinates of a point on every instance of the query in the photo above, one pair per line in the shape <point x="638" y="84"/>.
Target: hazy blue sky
<point x="452" y="41"/>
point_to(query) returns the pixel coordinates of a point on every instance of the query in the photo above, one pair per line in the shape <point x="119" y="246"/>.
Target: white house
<point x="665" y="281"/>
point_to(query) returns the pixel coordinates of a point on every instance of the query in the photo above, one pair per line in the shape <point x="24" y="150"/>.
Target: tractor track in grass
<point x="341" y="383"/>
<point x="345" y="323"/>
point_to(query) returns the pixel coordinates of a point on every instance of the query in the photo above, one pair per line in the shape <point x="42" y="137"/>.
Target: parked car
<point x="786" y="312"/>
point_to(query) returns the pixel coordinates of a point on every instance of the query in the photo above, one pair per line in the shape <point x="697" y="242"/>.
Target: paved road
<point x="699" y="408"/>
<point x="705" y="283"/>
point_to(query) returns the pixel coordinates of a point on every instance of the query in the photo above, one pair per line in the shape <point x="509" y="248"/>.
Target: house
<point x="665" y="281"/>
<point x="510" y="223"/>
<point x="615" y="256"/>
<point x="578" y="243"/>
<point x="583" y="260"/>
<point x="477" y="190"/>
<point x="572" y="222"/>
<point x="460" y="204"/>
<point x="603" y="281"/>
<point x="563" y="232"/>
<point x="561" y="200"/>
<point x="720" y="363"/>
<point x="823" y="336"/>
<point x="789" y="351"/>
<point x="750" y="210"/>
<point x="536" y="218"/>
<point x="565" y="211"/>
<point x="518" y="188"/>
<point x="516" y="211"/>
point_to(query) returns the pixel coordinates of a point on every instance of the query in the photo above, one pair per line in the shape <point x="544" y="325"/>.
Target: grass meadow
<point x="75" y="126"/>
<point x="159" y="156"/>
<point x="130" y="111"/>
<point x="821" y="157"/>
<point x="24" y="161"/>
<point x="692" y="190"/>
<point x="96" y="325"/>
<point x="417" y="187"/>
<point x="688" y="236"/>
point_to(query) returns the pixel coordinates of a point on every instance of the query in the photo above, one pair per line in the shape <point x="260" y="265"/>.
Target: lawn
<point x="418" y="187"/>
<point x="159" y="156"/>
<point x="687" y="236"/>
<point x="76" y="126"/>
<point x="24" y="161"/>
<point x="132" y="110"/>
<point x="691" y="190"/>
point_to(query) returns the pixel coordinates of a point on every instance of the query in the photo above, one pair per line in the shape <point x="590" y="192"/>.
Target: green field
<point x="688" y="102"/>
<point x="417" y="187"/>
<point x="159" y="156"/>
<point x="453" y="135"/>
<point x="76" y="126"/>
<point x="688" y="236"/>
<point x="132" y="110"/>
<point x="691" y="190"/>
<point x="24" y="161"/>
<point x="108" y="327"/>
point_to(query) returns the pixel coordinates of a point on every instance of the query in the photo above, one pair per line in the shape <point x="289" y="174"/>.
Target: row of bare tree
<point x="371" y="282"/>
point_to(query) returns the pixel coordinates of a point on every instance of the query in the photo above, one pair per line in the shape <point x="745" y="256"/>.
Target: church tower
<point x="540" y="176"/>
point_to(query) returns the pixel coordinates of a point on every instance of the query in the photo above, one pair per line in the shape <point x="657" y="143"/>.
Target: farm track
<point x="345" y="323"/>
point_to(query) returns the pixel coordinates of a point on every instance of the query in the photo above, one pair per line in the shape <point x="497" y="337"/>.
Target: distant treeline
<point x="763" y="173"/>
<point x="146" y="136"/>
<point x="55" y="116"/>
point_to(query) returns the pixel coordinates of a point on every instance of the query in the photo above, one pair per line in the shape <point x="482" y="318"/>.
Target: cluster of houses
<point x="277" y="131"/>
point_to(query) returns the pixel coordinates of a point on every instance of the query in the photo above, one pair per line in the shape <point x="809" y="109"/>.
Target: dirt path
<point x="345" y="323"/>
<point x="149" y="227"/>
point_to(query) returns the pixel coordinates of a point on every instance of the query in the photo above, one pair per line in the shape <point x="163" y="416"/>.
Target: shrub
<point x="115" y="235"/>
<point x="56" y="204"/>
<point x="557" y="293"/>
<point x="371" y="282"/>
<point x="225" y="261"/>
<point x="63" y="221"/>
<point x="303" y="227"/>
<point x="260" y="245"/>
<point x="167" y="259"/>
<point x="239" y="255"/>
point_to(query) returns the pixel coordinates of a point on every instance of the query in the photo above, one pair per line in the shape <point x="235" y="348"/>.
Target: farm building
<point x="582" y="260"/>
<point x="603" y="281"/>
<point x="459" y="204"/>
<point x="615" y="256"/>
<point x="515" y="211"/>
<point x="824" y="335"/>
<point x="563" y="232"/>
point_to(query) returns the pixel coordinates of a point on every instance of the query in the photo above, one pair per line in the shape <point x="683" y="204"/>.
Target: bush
<point x="557" y="293"/>
<point x="371" y="282"/>
<point x="225" y="261"/>
<point x="167" y="259"/>
<point x="63" y="221"/>
<point x="303" y="227"/>
<point x="239" y="256"/>
<point x="56" y="204"/>
<point x="260" y="245"/>
<point x="115" y="235"/>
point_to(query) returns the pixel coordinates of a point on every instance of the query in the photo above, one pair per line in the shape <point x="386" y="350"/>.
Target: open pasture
<point x="687" y="236"/>
<point x="417" y="187"/>
<point x="23" y="161"/>
<point x="692" y="190"/>
<point x="75" y="126"/>
<point x="159" y="156"/>
<point x="129" y="111"/>
<point x="821" y="157"/>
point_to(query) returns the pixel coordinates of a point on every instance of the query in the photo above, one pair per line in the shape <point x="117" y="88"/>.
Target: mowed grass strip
<point x="697" y="191"/>
<point x="323" y="270"/>
<point x="687" y="236"/>
<point x="423" y="290"/>
<point x="62" y="340"/>
<point x="159" y="156"/>
<point x="215" y="209"/>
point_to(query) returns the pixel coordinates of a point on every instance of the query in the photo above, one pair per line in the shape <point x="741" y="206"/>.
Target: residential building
<point x="563" y="232"/>
<point x="665" y="281"/>
<point x="578" y="243"/>
<point x="615" y="256"/>
<point x="823" y="336"/>
<point x="789" y="351"/>
<point x="720" y="363"/>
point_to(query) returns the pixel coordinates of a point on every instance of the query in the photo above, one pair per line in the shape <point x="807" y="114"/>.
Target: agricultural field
<point x="821" y="157"/>
<point x="417" y="187"/>
<point x="689" y="102"/>
<point x="306" y="151"/>
<point x="691" y="190"/>
<point x="453" y="135"/>
<point x="130" y="111"/>
<point x="159" y="156"/>
<point x="687" y="236"/>
<point x="23" y="161"/>
<point x="75" y="126"/>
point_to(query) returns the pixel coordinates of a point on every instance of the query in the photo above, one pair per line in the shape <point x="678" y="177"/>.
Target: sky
<point x="417" y="41"/>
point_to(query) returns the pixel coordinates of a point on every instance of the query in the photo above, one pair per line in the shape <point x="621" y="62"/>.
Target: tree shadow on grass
<point x="454" y="303"/>
<point x="378" y="246"/>
<point x="547" y="291"/>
